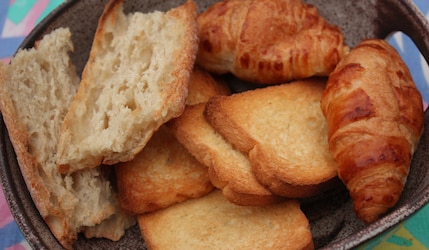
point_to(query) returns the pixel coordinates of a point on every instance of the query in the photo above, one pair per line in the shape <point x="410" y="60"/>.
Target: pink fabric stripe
<point x="16" y="247"/>
<point x="32" y="16"/>
<point x="5" y="214"/>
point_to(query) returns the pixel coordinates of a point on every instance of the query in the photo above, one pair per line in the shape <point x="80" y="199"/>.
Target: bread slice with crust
<point x="229" y="169"/>
<point x="212" y="222"/>
<point x="36" y="89"/>
<point x="283" y="131"/>
<point x="202" y="85"/>
<point x="134" y="81"/>
<point x="164" y="172"/>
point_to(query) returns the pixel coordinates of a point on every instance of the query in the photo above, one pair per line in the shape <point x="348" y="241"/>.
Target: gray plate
<point x="332" y="219"/>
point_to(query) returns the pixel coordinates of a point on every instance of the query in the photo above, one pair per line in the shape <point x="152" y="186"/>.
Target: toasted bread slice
<point x="134" y="81"/>
<point x="229" y="169"/>
<point x="283" y="131"/>
<point x="36" y="89"/>
<point x="164" y="172"/>
<point x="212" y="222"/>
<point x="202" y="86"/>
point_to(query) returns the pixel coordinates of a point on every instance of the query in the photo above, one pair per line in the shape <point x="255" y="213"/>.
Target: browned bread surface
<point x="202" y="86"/>
<point x="283" y="131"/>
<point x="36" y="89"/>
<point x="212" y="222"/>
<point x="135" y="80"/>
<point x="375" y="119"/>
<point x="268" y="41"/>
<point x="229" y="169"/>
<point x="164" y="173"/>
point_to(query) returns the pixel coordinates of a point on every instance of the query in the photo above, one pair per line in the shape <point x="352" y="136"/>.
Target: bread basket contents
<point x="164" y="172"/>
<point x="212" y="222"/>
<point x="268" y="41"/>
<point x="196" y="165"/>
<point x="134" y="81"/>
<point x="202" y="85"/>
<point x="375" y="119"/>
<point x="36" y="89"/>
<point x="283" y="132"/>
<point x="229" y="169"/>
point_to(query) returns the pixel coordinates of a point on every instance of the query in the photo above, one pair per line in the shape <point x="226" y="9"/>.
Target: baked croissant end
<point x="268" y="41"/>
<point x="375" y="119"/>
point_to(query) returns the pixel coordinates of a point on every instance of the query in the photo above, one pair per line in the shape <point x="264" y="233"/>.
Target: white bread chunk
<point x="212" y="222"/>
<point x="134" y="81"/>
<point x="36" y="89"/>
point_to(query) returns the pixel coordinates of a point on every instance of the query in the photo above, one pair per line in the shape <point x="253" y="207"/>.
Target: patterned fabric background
<point x="415" y="61"/>
<point x="18" y="17"/>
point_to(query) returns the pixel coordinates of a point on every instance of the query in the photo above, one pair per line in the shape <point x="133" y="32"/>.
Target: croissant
<point x="268" y="41"/>
<point x="375" y="119"/>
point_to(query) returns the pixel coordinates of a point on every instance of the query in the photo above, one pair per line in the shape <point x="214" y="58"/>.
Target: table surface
<point x="18" y="17"/>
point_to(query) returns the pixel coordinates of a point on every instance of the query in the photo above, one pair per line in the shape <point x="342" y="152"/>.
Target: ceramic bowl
<point x="334" y="224"/>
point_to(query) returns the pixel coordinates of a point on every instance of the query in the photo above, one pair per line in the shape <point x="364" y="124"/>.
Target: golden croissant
<point x="375" y="119"/>
<point x="268" y="41"/>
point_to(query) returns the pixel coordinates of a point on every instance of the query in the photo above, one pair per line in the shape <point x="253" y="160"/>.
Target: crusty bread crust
<point x="134" y="81"/>
<point x="229" y="169"/>
<point x="212" y="222"/>
<point x="36" y="90"/>
<point x="202" y="86"/>
<point x="283" y="131"/>
<point x="162" y="174"/>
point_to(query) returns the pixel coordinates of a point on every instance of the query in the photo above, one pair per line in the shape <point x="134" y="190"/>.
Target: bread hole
<point x="27" y="83"/>
<point x="45" y="65"/>
<point x="130" y="100"/>
<point x="142" y="53"/>
<point x="144" y="86"/>
<point x="106" y="121"/>
<point x="116" y="64"/>
<point x="131" y="104"/>
<point x="33" y="138"/>
<point x="132" y="47"/>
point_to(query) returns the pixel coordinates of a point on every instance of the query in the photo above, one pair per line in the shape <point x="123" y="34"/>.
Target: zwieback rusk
<point x="164" y="172"/>
<point x="135" y="80"/>
<point x="36" y="89"/>
<point x="202" y="85"/>
<point x="229" y="169"/>
<point x="266" y="41"/>
<point x="212" y="222"/>
<point x="283" y="131"/>
<point x="375" y="119"/>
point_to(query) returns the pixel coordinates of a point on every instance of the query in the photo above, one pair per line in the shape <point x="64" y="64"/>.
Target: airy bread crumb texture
<point x="36" y="90"/>
<point x="135" y="80"/>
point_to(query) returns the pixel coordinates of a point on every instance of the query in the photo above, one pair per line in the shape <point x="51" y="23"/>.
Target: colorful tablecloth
<point x="18" y="17"/>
